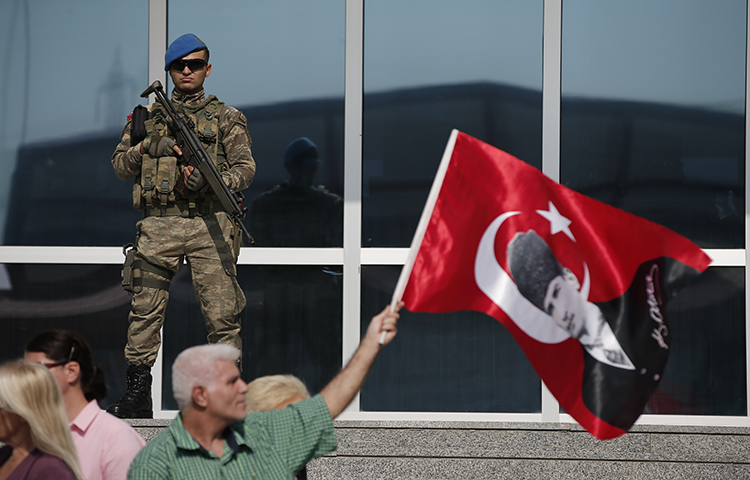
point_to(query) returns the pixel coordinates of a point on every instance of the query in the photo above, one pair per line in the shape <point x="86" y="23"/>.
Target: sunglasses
<point x="64" y="362"/>
<point x="53" y="365"/>
<point x="193" y="64"/>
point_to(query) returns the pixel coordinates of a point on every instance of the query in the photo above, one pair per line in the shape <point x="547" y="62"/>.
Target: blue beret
<point x="301" y="152"/>
<point x="185" y="44"/>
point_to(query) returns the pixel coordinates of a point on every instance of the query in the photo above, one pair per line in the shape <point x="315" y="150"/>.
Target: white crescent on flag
<point x="492" y="279"/>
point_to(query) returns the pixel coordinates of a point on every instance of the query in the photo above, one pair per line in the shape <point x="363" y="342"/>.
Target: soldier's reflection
<point x="301" y="331"/>
<point x="297" y="213"/>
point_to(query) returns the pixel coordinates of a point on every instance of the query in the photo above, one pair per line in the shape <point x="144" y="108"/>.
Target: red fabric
<point x="480" y="184"/>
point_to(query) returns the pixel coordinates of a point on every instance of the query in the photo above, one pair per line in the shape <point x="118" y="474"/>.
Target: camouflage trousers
<point x="166" y="242"/>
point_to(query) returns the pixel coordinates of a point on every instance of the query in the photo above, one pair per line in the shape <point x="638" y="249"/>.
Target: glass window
<point x="706" y="373"/>
<point x="87" y="299"/>
<point x="70" y="78"/>
<point x="282" y="64"/>
<point x="291" y="324"/>
<point x="437" y="65"/>
<point x="653" y="119"/>
<point x="454" y="362"/>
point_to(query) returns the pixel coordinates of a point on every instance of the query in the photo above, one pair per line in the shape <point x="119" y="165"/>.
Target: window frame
<point x="352" y="256"/>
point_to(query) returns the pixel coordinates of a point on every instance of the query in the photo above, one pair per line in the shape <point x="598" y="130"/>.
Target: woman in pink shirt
<point x="106" y="445"/>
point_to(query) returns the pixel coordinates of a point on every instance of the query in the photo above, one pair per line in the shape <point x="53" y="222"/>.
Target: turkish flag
<point x="581" y="285"/>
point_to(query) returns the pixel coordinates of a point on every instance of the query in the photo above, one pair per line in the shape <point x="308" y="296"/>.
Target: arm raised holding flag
<point x="341" y="390"/>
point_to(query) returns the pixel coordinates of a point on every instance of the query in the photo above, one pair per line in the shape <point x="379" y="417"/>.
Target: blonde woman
<point x="274" y="392"/>
<point x="33" y="426"/>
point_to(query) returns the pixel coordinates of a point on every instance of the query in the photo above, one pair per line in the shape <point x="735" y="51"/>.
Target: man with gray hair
<point x="213" y="437"/>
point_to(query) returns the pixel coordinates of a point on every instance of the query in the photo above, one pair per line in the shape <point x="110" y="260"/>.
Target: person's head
<point x="301" y="158"/>
<point x="186" y="60"/>
<point x="274" y="392"/>
<point x="545" y="283"/>
<point x="206" y="379"/>
<point x="68" y="357"/>
<point x="30" y="399"/>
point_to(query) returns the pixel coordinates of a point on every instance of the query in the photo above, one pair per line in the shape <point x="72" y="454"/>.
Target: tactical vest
<point x="154" y="187"/>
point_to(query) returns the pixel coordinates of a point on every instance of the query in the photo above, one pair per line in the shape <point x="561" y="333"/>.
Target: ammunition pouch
<point x="154" y="187"/>
<point x="133" y="280"/>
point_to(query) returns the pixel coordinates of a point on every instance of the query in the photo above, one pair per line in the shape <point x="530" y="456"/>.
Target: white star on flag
<point x="557" y="223"/>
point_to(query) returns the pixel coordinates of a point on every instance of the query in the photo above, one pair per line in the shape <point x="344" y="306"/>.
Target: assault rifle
<point x="195" y="154"/>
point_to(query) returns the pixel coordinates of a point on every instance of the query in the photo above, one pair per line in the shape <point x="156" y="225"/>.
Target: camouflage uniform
<point x="196" y="229"/>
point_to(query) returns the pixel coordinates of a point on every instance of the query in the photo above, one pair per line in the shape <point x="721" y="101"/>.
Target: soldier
<point x="182" y="217"/>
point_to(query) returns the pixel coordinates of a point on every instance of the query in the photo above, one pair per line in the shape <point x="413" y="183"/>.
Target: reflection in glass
<point x="454" y="362"/>
<point x="654" y="122"/>
<point x="296" y="212"/>
<point x="61" y="116"/>
<point x="291" y="324"/>
<point x="435" y="66"/>
<point x="706" y="372"/>
<point x="282" y="65"/>
<point x="87" y="299"/>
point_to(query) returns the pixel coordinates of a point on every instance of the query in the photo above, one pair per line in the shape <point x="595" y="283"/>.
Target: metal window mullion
<point x="551" y="82"/>
<point x="747" y="209"/>
<point x="353" y="94"/>
<point x="157" y="45"/>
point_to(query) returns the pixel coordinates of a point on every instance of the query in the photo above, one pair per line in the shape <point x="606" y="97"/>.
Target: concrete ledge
<point x="149" y="428"/>
<point x="447" y="468"/>
<point x="473" y="450"/>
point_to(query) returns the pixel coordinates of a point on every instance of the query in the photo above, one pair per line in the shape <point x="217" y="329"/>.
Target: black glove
<point x="157" y="146"/>
<point x="195" y="181"/>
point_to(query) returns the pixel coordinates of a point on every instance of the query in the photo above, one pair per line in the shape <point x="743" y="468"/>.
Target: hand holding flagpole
<point x="388" y="313"/>
<point x="396" y="305"/>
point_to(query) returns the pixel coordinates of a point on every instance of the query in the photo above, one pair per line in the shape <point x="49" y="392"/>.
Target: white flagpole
<point x="429" y="206"/>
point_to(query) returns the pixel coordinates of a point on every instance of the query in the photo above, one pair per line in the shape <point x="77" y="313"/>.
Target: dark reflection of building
<point x="64" y="192"/>
<point x="445" y="362"/>
<point x="681" y="167"/>
<point x="667" y="163"/>
<point x="80" y="298"/>
<point x="404" y="136"/>
<point x="297" y="326"/>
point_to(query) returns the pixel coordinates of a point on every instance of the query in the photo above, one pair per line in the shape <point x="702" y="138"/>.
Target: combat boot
<point x="136" y="403"/>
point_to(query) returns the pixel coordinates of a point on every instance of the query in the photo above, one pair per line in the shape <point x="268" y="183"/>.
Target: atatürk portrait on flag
<point x="555" y="290"/>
